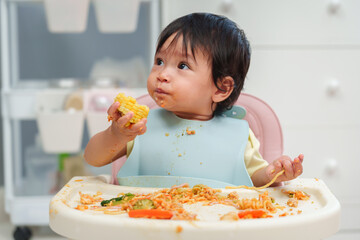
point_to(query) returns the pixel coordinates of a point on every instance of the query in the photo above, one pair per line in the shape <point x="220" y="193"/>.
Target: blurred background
<point x="63" y="61"/>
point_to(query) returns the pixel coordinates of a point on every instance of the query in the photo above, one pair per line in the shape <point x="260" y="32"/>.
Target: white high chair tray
<point x="319" y="217"/>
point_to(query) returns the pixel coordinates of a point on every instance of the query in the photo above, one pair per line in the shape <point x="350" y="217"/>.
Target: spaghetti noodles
<point x="177" y="201"/>
<point x="258" y="188"/>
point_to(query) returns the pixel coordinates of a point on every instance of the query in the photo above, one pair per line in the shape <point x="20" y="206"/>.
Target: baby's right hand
<point x="118" y="127"/>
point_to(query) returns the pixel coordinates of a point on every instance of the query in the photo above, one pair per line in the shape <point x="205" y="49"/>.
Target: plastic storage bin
<point x="41" y="170"/>
<point x="96" y="104"/>
<point x="60" y="125"/>
<point x="117" y="16"/>
<point x="67" y="15"/>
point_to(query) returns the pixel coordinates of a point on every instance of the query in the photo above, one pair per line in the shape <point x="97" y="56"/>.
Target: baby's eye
<point x="183" y="66"/>
<point x="159" y="62"/>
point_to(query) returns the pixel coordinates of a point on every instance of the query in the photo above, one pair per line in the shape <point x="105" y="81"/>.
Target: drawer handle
<point x="333" y="87"/>
<point x="331" y="166"/>
<point x="226" y="5"/>
<point x="334" y="6"/>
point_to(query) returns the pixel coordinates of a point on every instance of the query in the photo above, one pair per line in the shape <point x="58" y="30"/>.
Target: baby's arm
<point x="110" y="144"/>
<point x="292" y="169"/>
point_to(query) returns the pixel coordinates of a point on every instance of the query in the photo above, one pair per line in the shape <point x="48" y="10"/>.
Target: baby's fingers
<point x="274" y="169"/>
<point x="283" y="163"/>
<point x="297" y="165"/>
<point x="140" y="127"/>
<point x="122" y="121"/>
<point x="288" y="167"/>
<point x="113" y="111"/>
<point x="300" y="157"/>
<point x="277" y="166"/>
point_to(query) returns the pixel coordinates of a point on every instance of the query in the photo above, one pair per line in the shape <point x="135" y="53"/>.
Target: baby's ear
<point x="224" y="89"/>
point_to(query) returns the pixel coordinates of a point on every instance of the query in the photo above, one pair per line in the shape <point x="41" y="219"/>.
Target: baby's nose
<point x="164" y="76"/>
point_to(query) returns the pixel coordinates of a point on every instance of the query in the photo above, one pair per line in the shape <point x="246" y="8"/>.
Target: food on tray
<point x="292" y="202"/>
<point x="264" y="202"/>
<point x="88" y="199"/>
<point x="249" y="214"/>
<point x="175" y="203"/>
<point x="297" y="194"/>
<point x="144" y="204"/>
<point x="129" y="104"/>
<point x="118" y="200"/>
<point x="246" y="214"/>
<point x="230" y="216"/>
<point x="150" y="213"/>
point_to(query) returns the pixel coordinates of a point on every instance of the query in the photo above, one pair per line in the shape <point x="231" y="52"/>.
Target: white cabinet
<point x="308" y="86"/>
<point x="281" y="22"/>
<point x="305" y="64"/>
<point x="323" y="124"/>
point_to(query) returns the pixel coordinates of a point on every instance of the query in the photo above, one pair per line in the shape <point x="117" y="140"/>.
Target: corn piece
<point x="128" y="104"/>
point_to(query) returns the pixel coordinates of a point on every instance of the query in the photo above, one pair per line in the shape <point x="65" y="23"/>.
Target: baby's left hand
<point x="292" y="169"/>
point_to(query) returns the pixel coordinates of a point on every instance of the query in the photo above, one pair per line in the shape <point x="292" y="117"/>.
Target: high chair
<point x="316" y="218"/>
<point x="260" y="116"/>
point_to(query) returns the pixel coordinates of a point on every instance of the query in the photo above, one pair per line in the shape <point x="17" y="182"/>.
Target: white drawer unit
<point x="308" y="86"/>
<point x="305" y="64"/>
<point x="329" y="155"/>
<point x="281" y="22"/>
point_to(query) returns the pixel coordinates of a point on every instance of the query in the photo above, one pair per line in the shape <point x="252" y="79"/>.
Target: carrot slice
<point x="150" y="213"/>
<point x="252" y="214"/>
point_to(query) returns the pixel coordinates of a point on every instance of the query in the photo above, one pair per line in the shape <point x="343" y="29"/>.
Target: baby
<point x="199" y="70"/>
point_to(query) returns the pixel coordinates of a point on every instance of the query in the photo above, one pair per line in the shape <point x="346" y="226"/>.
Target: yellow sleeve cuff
<point x="252" y="158"/>
<point x="129" y="148"/>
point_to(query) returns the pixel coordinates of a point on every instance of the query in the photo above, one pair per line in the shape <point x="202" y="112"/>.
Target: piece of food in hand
<point x="129" y="104"/>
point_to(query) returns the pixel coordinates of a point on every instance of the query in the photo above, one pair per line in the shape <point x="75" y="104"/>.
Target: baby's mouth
<point x="160" y="91"/>
<point x="160" y="96"/>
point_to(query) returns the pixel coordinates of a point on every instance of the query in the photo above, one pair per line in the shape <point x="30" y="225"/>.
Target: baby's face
<point x="182" y="84"/>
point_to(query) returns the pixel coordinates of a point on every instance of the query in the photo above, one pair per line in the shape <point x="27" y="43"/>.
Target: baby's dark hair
<point x="224" y="42"/>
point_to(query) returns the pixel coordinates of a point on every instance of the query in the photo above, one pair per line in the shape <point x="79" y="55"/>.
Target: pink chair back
<point x="265" y="124"/>
<point x="262" y="121"/>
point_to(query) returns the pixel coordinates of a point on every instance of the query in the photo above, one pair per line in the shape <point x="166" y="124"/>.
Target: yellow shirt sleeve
<point x="252" y="158"/>
<point x="129" y="148"/>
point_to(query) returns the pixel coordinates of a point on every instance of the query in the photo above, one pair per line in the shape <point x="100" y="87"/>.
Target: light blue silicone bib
<point x="173" y="146"/>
